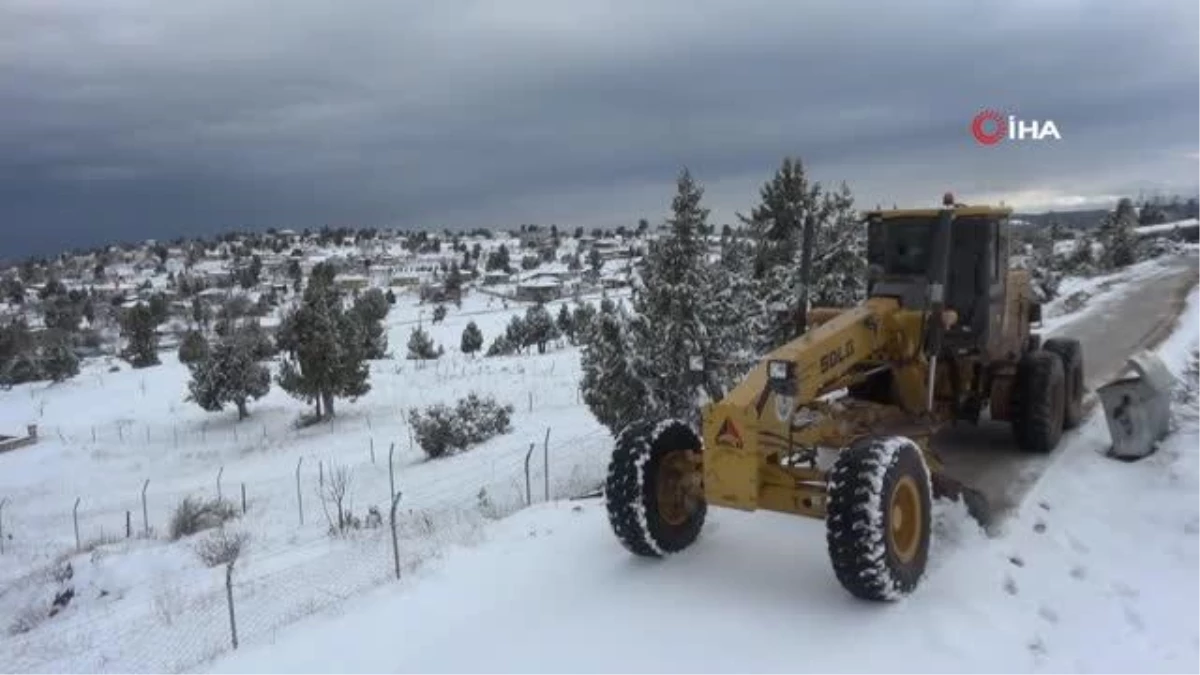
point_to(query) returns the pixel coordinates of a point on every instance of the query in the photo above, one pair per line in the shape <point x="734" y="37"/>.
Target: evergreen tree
<point x="776" y="227"/>
<point x="58" y="359"/>
<point x="138" y="328"/>
<point x="324" y="344"/>
<point x="193" y="347"/>
<point x="612" y="388"/>
<point x="516" y="333"/>
<point x="421" y="347"/>
<point x="839" y="265"/>
<point x="540" y="327"/>
<point x="439" y="313"/>
<point x="790" y="203"/>
<point x="370" y="309"/>
<point x="229" y="374"/>
<point x="1118" y="237"/>
<point x="671" y="310"/>
<point x="61" y="313"/>
<point x="472" y="339"/>
<point x="565" y="322"/>
<point x="499" y="260"/>
<point x="251" y="333"/>
<point x="582" y="317"/>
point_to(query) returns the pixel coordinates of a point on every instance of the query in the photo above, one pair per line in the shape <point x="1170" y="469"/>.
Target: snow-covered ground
<point x="145" y="604"/>
<point x="1095" y="573"/>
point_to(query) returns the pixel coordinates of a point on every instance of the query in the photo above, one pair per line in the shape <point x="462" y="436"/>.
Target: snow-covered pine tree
<point x="325" y="359"/>
<point x="1118" y="237"/>
<point x="838" y="278"/>
<point x="777" y="228"/>
<point x="539" y="326"/>
<point x="193" y="347"/>
<point x="229" y="375"/>
<point x="139" y="329"/>
<point x="734" y="305"/>
<point x="565" y="323"/>
<point x="611" y="387"/>
<point x="671" y="309"/>
<point x="370" y="309"/>
<point x="58" y="359"/>
<point x="582" y="317"/>
<point x="420" y="346"/>
<point x="839" y="264"/>
<point x="472" y="339"/>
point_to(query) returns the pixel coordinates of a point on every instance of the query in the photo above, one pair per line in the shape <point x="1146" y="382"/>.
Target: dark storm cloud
<point x="139" y="118"/>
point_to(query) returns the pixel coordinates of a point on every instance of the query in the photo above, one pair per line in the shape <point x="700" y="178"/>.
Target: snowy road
<point x="1115" y="326"/>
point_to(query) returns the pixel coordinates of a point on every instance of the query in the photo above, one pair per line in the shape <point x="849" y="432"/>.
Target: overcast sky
<point x="128" y="119"/>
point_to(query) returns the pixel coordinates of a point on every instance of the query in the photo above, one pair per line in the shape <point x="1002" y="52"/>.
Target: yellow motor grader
<point x="837" y="423"/>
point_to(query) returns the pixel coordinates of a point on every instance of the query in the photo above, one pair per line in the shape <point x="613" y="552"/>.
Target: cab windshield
<point x="907" y="245"/>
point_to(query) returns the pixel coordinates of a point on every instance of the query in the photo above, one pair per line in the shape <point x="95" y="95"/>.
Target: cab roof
<point x="960" y="210"/>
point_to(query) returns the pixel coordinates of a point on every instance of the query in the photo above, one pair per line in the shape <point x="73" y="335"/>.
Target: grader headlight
<point x="781" y="377"/>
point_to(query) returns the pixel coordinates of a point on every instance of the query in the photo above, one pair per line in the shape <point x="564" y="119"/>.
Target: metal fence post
<point x="75" y="517"/>
<point x="528" y="494"/>
<point x="391" y="472"/>
<point x="145" y="513"/>
<point x="2" y="503"/>
<point x="546" y="463"/>
<point x="219" y="473"/>
<point x="395" y="542"/>
<point x="299" y="495"/>
<point x="243" y="499"/>
<point x="372" y="450"/>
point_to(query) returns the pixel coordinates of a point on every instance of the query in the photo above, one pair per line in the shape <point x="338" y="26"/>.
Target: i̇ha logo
<point x="990" y="127"/>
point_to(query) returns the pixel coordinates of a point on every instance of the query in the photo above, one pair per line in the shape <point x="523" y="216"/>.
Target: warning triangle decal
<point x="728" y="434"/>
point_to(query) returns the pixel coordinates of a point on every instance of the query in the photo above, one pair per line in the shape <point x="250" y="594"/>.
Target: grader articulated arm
<point x="758" y="439"/>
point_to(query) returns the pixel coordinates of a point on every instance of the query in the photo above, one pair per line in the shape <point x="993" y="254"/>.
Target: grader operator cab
<point x="837" y="423"/>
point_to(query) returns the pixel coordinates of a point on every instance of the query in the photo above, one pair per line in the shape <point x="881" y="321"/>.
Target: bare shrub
<point x="26" y="619"/>
<point x="167" y="603"/>
<point x="1189" y="381"/>
<point x="221" y="548"/>
<point x="195" y="515"/>
<point x="334" y="493"/>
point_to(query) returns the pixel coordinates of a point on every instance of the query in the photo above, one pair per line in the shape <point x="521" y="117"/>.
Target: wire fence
<point x="142" y="603"/>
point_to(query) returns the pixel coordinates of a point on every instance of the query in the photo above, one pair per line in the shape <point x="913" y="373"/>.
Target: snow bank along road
<point x="1132" y="317"/>
<point x="550" y="590"/>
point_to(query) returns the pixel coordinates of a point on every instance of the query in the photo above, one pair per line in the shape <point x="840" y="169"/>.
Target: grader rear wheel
<point x="1039" y="402"/>
<point x="878" y="517"/>
<point x="653" y="493"/>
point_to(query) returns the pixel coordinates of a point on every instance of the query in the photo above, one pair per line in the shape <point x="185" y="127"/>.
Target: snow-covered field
<point x="1095" y="573"/>
<point x="536" y="583"/>
<point x="147" y="604"/>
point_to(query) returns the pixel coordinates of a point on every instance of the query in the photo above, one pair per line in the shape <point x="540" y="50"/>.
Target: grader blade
<point x="945" y="487"/>
<point x="1138" y="407"/>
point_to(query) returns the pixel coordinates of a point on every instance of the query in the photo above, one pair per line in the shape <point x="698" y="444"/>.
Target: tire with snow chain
<point x="1039" y="402"/>
<point x="646" y="506"/>
<point x="1071" y="353"/>
<point x="878" y="517"/>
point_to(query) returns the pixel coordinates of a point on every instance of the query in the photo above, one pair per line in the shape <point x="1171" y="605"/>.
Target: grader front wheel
<point x="653" y="493"/>
<point x="878" y="517"/>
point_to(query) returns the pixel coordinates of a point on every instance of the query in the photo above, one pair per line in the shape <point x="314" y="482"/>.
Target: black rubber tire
<point x="630" y="495"/>
<point x="1039" y="402"/>
<point x="858" y="517"/>
<point x="1071" y="353"/>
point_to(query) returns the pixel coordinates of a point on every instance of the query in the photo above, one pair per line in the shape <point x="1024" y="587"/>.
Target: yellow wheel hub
<point x="904" y="508"/>
<point x="676" y="489"/>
